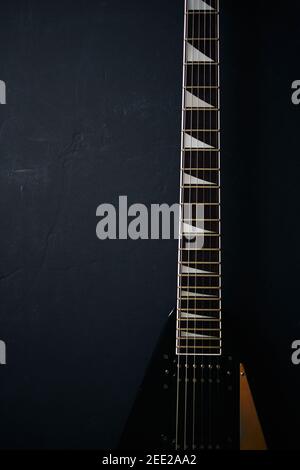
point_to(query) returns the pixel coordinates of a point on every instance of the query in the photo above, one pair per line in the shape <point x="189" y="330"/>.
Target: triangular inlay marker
<point x="198" y="5"/>
<point x="195" y="294"/>
<point x="192" y="142"/>
<point x="191" y="180"/>
<point x="194" y="315"/>
<point x="192" y="101"/>
<point x="189" y="270"/>
<point x="194" y="55"/>
<point x="186" y="334"/>
<point x="191" y="229"/>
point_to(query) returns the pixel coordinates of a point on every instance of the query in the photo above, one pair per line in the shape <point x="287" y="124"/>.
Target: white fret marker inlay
<point x="191" y="229"/>
<point x="194" y="315"/>
<point x="191" y="180"/>
<point x="192" y="101"/>
<point x="186" y="334"/>
<point x="191" y="142"/>
<point x="195" y="294"/>
<point x="189" y="270"/>
<point x="198" y="5"/>
<point x="194" y="55"/>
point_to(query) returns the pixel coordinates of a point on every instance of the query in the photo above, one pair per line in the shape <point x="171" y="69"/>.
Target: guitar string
<point x="192" y="27"/>
<point x="181" y="225"/>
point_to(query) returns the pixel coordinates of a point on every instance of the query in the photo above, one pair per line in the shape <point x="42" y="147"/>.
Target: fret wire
<point x="203" y="62"/>
<point x="202" y="39"/>
<point x="201" y="130"/>
<point x="188" y="108"/>
<point x="188" y="149"/>
<point x="198" y="347"/>
<point x="202" y="12"/>
<point x="199" y="220"/>
<point x="207" y="263"/>
<point x="200" y="204"/>
<point x="199" y="287"/>
<point x="214" y="320"/>
<point x="198" y="329"/>
<point x="200" y="299"/>
<point x="199" y="169"/>
<point x="181" y="339"/>
<point x="199" y="310"/>
<point x="201" y="87"/>
<point x="199" y="275"/>
<point x="204" y="186"/>
<point x="200" y="249"/>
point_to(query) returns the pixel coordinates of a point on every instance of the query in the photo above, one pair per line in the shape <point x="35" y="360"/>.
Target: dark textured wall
<point x="93" y="112"/>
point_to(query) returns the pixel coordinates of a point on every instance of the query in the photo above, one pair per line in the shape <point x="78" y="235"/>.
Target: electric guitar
<point x="195" y="395"/>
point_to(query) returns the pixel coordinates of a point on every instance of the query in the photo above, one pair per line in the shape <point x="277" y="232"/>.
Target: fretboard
<point x="199" y="270"/>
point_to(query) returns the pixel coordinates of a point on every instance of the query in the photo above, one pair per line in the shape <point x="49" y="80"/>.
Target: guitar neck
<point x="199" y="326"/>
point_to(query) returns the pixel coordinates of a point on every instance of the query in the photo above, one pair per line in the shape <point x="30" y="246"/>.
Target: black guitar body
<point x="185" y="403"/>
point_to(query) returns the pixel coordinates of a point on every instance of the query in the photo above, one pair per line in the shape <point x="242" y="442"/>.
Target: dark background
<point x="93" y="112"/>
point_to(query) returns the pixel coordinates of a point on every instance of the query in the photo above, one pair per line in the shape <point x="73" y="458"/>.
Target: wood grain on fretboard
<point x="199" y="272"/>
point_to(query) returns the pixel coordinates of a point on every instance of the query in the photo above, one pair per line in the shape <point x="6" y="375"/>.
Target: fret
<point x="191" y="149"/>
<point x="185" y="303"/>
<point x="196" y="256"/>
<point x="197" y="347"/>
<point x="199" y="249"/>
<point x="196" y="244"/>
<point x="201" y="130"/>
<point x="208" y="76"/>
<point x="207" y="196"/>
<point x="206" y="210"/>
<point x="203" y="320"/>
<point x="206" y="118"/>
<point x="204" y="289"/>
<point x="200" y="160"/>
<point x="190" y="39"/>
<point x="201" y="62"/>
<point x="210" y="283"/>
<point x="193" y="342"/>
<point x="203" y="12"/>
<point x="199" y="275"/>
<point x="200" y="310"/>
<point x="216" y="263"/>
<point x="200" y="203"/>
<point x="213" y="301"/>
<point x="203" y="235"/>
<point x="201" y="87"/>
<point x="204" y="108"/>
<point x="194" y="186"/>
<point x="199" y="23"/>
<point x="198" y="329"/>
